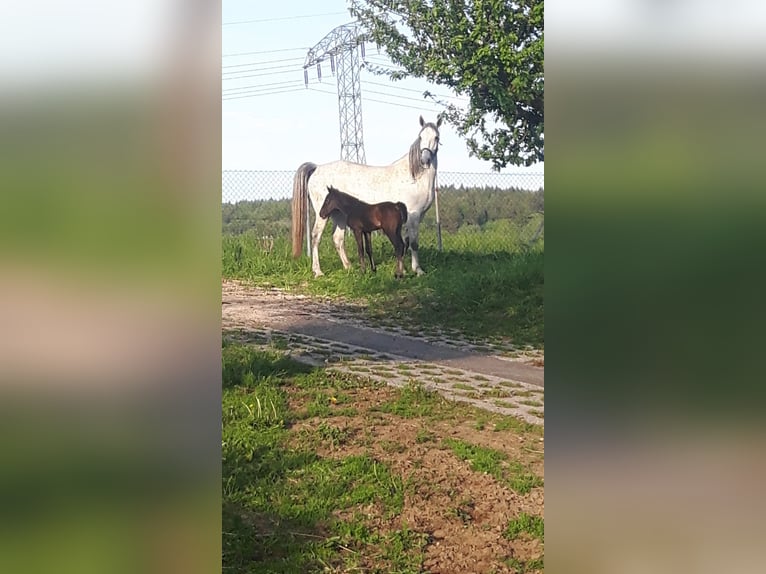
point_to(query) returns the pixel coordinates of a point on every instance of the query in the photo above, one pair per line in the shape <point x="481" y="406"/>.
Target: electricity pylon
<point x="342" y="46"/>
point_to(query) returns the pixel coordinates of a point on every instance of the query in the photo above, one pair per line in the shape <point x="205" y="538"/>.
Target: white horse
<point x="410" y="180"/>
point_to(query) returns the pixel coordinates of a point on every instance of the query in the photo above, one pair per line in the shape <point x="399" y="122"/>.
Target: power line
<point x="381" y="65"/>
<point x="389" y="94"/>
<point x="322" y="91"/>
<point x="294" y="70"/>
<point x="261" y="93"/>
<point x="413" y="90"/>
<point x="279" y="67"/>
<point x="264" y="52"/>
<point x="400" y="105"/>
<point x="271" y="91"/>
<point x="264" y="62"/>
<point x="282" y="18"/>
<point x="263" y="85"/>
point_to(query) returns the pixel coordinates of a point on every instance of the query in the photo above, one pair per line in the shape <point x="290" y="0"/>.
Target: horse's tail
<point x="300" y="205"/>
<point x="402" y="210"/>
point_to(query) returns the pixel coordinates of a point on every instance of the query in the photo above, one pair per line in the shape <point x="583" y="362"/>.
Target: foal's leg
<point x="413" y="226"/>
<point x="338" y="238"/>
<point x="395" y="236"/>
<point x="360" y="246"/>
<point x="368" y="248"/>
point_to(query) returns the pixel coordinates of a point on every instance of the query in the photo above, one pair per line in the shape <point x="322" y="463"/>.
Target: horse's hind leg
<point x="316" y="237"/>
<point x="396" y="240"/>
<point x="413" y="226"/>
<point x="338" y="238"/>
<point x="368" y="248"/>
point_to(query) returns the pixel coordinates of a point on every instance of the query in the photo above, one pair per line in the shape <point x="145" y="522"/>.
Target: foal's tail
<point x="402" y="210"/>
<point x="300" y="205"/>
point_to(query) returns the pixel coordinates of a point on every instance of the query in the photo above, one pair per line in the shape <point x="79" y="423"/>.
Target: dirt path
<point x="334" y="334"/>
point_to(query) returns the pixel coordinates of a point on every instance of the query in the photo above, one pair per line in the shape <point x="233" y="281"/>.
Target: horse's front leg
<point x="413" y="227"/>
<point x="360" y="246"/>
<point x="368" y="248"/>
<point x="338" y="238"/>
<point x="316" y="237"/>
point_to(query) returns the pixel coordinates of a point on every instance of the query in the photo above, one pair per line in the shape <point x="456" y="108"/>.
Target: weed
<point x="463" y="386"/>
<point x="413" y="400"/>
<point x="495" y="463"/>
<point x="424" y="435"/>
<point x="525" y="566"/>
<point x="525" y="523"/>
<point x="495" y="393"/>
<point x="390" y="446"/>
<point x="511" y="384"/>
<point x="335" y="436"/>
<point x="531" y="403"/>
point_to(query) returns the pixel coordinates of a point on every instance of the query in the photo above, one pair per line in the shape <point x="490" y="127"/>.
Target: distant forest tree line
<point x="458" y="207"/>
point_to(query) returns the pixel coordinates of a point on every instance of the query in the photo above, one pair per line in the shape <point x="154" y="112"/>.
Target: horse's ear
<point x="439" y="121"/>
<point x="422" y="122"/>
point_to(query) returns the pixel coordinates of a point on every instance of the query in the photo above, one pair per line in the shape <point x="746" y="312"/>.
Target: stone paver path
<point x="321" y="333"/>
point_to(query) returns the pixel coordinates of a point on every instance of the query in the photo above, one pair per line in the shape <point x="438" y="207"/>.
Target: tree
<point x="489" y="50"/>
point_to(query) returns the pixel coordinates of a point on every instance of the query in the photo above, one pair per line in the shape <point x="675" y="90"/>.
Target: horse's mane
<point x="415" y="166"/>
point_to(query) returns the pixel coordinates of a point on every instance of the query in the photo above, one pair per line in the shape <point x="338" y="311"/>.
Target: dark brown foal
<point x="364" y="218"/>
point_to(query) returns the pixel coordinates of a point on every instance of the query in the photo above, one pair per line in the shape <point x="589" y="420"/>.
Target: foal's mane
<point x="343" y="197"/>
<point x="415" y="166"/>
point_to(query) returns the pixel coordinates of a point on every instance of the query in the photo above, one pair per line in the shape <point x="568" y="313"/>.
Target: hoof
<point x="419" y="271"/>
<point x="318" y="274"/>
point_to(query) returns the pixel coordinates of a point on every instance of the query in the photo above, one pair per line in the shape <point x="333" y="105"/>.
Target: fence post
<point x="438" y="220"/>
<point x="308" y="226"/>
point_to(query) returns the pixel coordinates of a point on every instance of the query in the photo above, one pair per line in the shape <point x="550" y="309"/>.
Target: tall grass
<point x="477" y="287"/>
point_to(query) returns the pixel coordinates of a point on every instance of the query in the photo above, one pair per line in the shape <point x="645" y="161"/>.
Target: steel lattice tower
<point x="341" y="46"/>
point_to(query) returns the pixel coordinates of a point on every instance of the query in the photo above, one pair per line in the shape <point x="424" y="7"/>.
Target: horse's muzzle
<point x="426" y="156"/>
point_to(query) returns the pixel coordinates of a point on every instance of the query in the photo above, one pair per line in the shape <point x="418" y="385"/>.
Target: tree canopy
<point x="491" y="51"/>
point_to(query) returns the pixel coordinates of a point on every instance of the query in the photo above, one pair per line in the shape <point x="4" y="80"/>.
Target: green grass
<point x="512" y="423"/>
<point x="424" y="435"/>
<point x="534" y="526"/>
<point x="525" y="566"/>
<point x="496" y="464"/>
<point x="531" y="403"/>
<point x="496" y="393"/>
<point x="278" y="501"/>
<point x="530" y="526"/>
<point x="297" y="495"/>
<point x="482" y="293"/>
<point x="463" y="387"/>
<point x="413" y="401"/>
<point x="511" y="384"/>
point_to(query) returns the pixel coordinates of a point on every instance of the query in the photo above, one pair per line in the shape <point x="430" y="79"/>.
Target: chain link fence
<point x="473" y="212"/>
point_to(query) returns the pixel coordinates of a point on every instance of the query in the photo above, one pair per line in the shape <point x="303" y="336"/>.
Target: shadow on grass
<point x="484" y="295"/>
<point x="279" y="499"/>
<point x="241" y="364"/>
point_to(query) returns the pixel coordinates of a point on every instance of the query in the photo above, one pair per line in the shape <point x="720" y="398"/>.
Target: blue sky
<point x="267" y="130"/>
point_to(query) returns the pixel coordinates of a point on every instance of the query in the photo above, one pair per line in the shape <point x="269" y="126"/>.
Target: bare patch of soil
<point x="462" y="513"/>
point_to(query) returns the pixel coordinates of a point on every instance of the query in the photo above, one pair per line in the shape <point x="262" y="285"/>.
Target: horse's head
<point x="429" y="141"/>
<point x="330" y="202"/>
